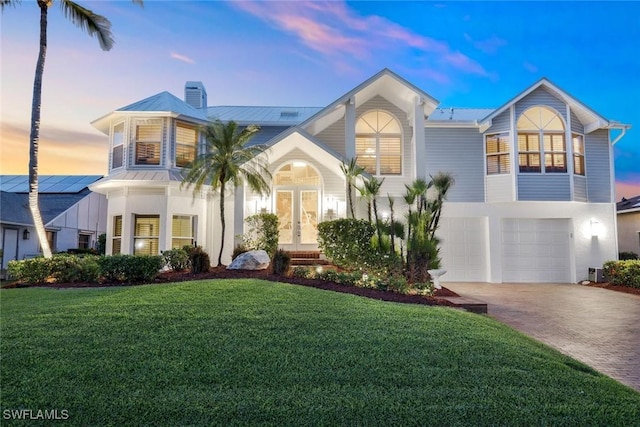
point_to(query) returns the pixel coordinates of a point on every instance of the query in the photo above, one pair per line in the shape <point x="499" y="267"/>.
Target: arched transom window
<point x="541" y="136"/>
<point x="379" y="143"/>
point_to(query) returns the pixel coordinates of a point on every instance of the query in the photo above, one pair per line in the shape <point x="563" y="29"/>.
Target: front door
<point x="297" y="205"/>
<point x="10" y="246"/>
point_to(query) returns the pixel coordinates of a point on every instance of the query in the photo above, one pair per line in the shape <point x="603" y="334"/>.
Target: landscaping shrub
<point x="102" y="244"/>
<point x="238" y="250"/>
<point x="263" y="233"/>
<point x="301" y="272"/>
<point x="281" y="262"/>
<point x="31" y="271"/>
<point x="176" y="259"/>
<point x="199" y="259"/>
<point x="131" y="268"/>
<point x="346" y="242"/>
<point x="73" y="268"/>
<point x="622" y="256"/>
<point x="623" y="273"/>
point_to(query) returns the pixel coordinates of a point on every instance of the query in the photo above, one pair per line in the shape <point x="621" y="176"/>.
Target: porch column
<point x="418" y="137"/>
<point x="350" y="128"/>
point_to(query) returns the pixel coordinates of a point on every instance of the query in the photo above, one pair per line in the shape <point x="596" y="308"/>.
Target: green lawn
<point x="250" y="352"/>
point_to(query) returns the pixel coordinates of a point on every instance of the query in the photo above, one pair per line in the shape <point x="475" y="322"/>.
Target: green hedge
<point x="346" y="242"/>
<point x="623" y="273"/>
<point x="65" y="268"/>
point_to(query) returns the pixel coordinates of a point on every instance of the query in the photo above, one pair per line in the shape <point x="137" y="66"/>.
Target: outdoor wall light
<point x="596" y="228"/>
<point x="26" y="235"/>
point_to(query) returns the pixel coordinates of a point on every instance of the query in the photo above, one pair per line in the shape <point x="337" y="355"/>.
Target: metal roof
<point x="265" y="116"/>
<point x="67" y="184"/>
<point x="632" y="203"/>
<point x="165" y="101"/>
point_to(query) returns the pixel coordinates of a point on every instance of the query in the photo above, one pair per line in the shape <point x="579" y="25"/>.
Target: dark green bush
<point x="131" y="268"/>
<point x="73" y="268"/>
<point x="82" y="251"/>
<point x="102" y="244"/>
<point x="238" y="250"/>
<point x="199" y="259"/>
<point x="623" y="256"/>
<point x="623" y="273"/>
<point x="346" y="242"/>
<point x="176" y="259"/>
<point x="32" y="271"/>
<point x="280" y="262"/>
<point x="301" y="272"/>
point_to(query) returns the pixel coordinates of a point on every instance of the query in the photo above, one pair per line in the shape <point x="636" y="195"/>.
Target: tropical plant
<point x="369" y="191"/>
<point x="228" y="159"/>
<point x="263" y="233"/>
<point x="97" y="26"/>
<point x="351" y="171"/>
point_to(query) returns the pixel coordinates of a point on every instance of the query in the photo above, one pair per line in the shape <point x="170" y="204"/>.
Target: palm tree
<point x="97" y="26"/>
<point x="229" y="159"/>
<point x="370" y="191"/>
<point x="351" y="171"/>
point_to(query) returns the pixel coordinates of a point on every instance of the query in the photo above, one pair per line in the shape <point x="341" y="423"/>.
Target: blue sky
<point x="466" y="54"/>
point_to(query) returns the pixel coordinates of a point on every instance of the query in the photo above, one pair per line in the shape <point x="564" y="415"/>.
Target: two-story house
<point x="533" y="199"/>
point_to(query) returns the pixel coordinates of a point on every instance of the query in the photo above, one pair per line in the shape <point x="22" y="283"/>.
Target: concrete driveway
<point x="599" y="327"/>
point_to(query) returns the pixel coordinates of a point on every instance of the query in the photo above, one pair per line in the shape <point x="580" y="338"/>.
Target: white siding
<point x="464" y="249"/>
<point x="499" y="188"/>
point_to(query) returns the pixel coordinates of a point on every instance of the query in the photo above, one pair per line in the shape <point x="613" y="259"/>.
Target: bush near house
<point x="66" y="268"/>
<point x="623" y="273"/>
<point x="622" y="256"/>
<point x="198" y="259"/>
<point x="263" y="233"/>
<point x="177" y="259"/>
<point x="347" y="241"/>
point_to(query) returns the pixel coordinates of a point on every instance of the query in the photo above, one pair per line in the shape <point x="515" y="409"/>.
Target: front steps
<point x="307" y="258"/>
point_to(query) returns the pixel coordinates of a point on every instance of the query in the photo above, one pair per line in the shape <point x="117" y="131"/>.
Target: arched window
<point x="541" y="135"/>
<point x="379" y="143"/>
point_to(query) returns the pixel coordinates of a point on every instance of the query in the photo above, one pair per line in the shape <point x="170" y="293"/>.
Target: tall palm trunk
<point x="350" y="197"/>
<point x="222" y="220"/>
<point x="34" y="137"/>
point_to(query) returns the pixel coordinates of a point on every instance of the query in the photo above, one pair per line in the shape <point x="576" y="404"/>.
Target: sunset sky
<point x="476" y="54"/>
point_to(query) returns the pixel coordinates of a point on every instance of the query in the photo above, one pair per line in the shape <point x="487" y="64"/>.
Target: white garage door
<point x="536" y="250"/>
<point x="463" y="249"/>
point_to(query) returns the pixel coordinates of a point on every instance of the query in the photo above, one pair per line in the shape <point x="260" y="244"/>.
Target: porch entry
<point x="296" y="201"/>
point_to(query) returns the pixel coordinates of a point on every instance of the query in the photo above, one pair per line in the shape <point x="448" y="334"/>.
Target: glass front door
<point x="298" y="212"/>
<point x="297" y="191"/>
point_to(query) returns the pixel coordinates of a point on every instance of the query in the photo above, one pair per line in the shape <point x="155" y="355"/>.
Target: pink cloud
<point x="182" y="58"/>
<point x="340" y="33"/>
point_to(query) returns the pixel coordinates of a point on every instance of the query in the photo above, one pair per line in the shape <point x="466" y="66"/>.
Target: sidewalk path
<point x="598" y="327"/>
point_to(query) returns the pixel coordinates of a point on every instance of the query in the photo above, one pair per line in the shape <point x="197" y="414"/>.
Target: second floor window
<point x="541" y="136"/>
<point x="117" y="152"/>
<point x="186" y="145"/>
<point x="498" y="161"/>
<point x="148" y="143"/>
<point x="379" y="143"/>
<point x="578" y="154"/>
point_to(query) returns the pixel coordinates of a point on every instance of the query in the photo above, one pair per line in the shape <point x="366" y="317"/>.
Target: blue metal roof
<point x="264" y="116"/>
<point x="65" y="184"/>
<point x="165" y="101"/>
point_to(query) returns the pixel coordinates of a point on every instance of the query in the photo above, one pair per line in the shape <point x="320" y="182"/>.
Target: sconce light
<point x="26" y="235"/>
<point x="596" y="228"/>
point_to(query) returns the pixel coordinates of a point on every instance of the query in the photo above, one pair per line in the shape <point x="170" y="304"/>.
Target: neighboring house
<point x="534" y="178"/>
<point x="629" y="224"/>
<point x="73" y="215"/>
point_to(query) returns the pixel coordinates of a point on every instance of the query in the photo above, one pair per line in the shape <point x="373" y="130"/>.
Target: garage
<point x="464" y="249"/>
<point x="536" y="250"/>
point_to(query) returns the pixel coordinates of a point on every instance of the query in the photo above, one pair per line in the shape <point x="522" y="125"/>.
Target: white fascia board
<point x="451" y="124"/>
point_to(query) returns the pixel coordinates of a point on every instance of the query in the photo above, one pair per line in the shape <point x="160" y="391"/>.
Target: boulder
<point x="252" y="260"/>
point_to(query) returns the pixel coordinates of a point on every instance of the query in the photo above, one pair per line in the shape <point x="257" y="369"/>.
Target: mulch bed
<point x="223" y="273"/>
<point x="625" y="289"/>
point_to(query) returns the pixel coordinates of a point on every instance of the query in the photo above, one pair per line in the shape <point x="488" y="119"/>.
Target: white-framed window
<point x="541" y="124"/>
<point x="116" y="247"/>
<point x="578" y="154"/>
<point x="186" y="144"/>
<point x="148" y="142"/>
<point x="379" y="143"/>
<point x="84" y="241"/>
<point x="117" y="150"/>
<point x="498" y="157"/>
<point x="182" y="231"/>
<point x="146" y="235"/>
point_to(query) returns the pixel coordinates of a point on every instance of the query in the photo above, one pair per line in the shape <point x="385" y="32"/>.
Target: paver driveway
<point x="599" y="327"/>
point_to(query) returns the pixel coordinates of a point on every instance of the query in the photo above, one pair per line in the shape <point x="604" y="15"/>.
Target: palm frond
<point x="95" y="25"/>
<point x="13" y="3"/>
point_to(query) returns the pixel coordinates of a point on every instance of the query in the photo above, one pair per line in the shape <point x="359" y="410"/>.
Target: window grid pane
<point x="147" y="233"/>
<point x="148" y="138"/>
<point x="379" y="143"/>
<point x="182" y="231"/>
<point x="498" y="159"/>
<point x="186" y="142"/>
<point x="116" y="246"/>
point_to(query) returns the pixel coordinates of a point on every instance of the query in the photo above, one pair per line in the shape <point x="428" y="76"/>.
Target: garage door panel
<point x="463" y="243"/>
<point x="535" y="250"/>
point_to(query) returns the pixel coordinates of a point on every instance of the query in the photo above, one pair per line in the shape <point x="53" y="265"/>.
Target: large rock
<point x="252" y="260"/>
